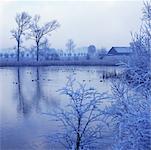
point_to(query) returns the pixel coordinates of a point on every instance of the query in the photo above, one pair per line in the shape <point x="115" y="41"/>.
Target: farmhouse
<point x="120" y="51"/>
<point x="118" y="55"/>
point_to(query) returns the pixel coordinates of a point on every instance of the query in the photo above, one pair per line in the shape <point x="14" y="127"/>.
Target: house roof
<point x="122" y="49"/>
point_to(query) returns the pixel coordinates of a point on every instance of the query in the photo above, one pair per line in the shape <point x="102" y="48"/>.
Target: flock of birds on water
<point x="104" y="75"/>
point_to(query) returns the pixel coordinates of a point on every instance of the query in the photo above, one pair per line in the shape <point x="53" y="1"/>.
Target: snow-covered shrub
<point x="81" y="119"/>
<point x="130" y="112"/>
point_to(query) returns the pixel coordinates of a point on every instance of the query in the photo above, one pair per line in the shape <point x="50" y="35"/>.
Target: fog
<point x="102" y="23"/>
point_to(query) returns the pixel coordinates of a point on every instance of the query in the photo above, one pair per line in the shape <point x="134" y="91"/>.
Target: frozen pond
<point x="26" y="92"/>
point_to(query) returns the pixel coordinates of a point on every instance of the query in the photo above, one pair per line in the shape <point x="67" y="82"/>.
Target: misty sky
<point x="102" y="23"/>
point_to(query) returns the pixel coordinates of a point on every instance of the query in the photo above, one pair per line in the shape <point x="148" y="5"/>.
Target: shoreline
<point x="54" y="63"/>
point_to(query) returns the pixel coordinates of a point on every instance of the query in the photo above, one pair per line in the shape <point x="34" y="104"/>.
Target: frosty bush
<point x="81" y="120"/>
<point x="130" y="112"/>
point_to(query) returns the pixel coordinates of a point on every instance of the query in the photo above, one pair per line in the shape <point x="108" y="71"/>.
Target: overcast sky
<point x="102" y="23"/>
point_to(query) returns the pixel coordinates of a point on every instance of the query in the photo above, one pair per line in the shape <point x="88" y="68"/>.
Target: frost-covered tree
<point x="22" y="21"/>
<point x="130" y="113"/>
<point x="101" y="52"/>
<point x="147" y="26"/>
<point x="91" y="51"/>
<point x="131" y="107"/>
<point x="38" y="33"/>
<point x="81" y="120"/>
<point x="70" y="45"/>
<point x="138" y="72"/>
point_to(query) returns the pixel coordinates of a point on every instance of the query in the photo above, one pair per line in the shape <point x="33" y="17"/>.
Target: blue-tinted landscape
<point x="73" y="76"/>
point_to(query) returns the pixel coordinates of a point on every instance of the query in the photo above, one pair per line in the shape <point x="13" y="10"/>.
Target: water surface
<point x="27" y="92"/>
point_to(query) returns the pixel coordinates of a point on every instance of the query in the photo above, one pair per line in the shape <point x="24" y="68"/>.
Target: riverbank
<point x="56" y="63"/>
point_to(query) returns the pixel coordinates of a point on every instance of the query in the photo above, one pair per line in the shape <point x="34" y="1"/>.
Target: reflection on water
<point x="28" y="92"/>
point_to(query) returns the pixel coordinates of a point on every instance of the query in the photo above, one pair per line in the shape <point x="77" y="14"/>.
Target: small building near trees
<point x="120" y="51"/>
<point x="118" y="55"/>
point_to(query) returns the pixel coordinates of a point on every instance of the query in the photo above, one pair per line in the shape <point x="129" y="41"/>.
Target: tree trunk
<point x="37" y="51"/>
<point x="18" y="51"/>
<point x="78" y="142"/>
<point x="78" y="135"/>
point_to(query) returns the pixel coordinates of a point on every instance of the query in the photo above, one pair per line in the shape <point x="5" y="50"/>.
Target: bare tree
<point x="38" y="33"/>
<point x="23" y="21"/>
<point x="81" y="119"/>
<point x="70" y="45"/>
